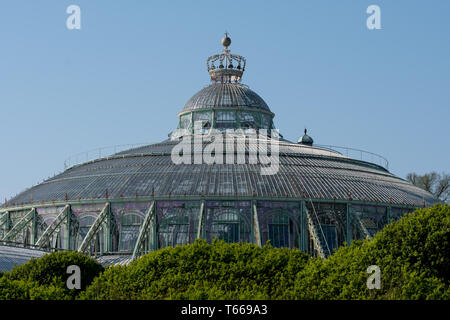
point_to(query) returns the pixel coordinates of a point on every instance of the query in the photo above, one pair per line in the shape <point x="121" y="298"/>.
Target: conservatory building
<point x="124" y="204"/>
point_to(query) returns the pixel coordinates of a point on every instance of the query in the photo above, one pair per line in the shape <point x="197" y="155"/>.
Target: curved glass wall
<point x="203" y="121"/>
<point x="292" y="224"/>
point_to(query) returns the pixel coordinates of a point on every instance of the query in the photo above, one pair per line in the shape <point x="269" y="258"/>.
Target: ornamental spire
<point x="226" y="67"/>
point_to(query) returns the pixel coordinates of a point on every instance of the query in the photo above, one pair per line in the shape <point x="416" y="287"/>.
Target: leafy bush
<point x="202" y="271"/>
<point x="412" y="253"/>
<point x="45" y="277"/>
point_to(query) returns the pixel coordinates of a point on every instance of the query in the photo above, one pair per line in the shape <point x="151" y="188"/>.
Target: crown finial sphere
<point x="226" y="41"/>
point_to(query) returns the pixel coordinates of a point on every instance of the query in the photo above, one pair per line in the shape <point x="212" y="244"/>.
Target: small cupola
<point x="305" y="139"/>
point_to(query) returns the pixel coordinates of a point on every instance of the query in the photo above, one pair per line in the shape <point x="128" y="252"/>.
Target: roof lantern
<point x="226" y="67"/>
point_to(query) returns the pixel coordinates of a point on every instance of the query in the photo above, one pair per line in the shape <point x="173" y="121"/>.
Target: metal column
<point x="200" y="230"/>
<point x="148" y="223"/>
<point x="349" y="235"/>
<point x="257" y="233"/>
<point x="303" y="245"/>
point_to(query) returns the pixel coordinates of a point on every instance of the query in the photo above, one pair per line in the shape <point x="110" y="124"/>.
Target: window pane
<point x="279" y="235"/>
<point x="185" y="121"/>
<point x="202" y="119"/>
<point x="174" y="231"/>
<point x="330" y="235"/>
<point x="225" y="119"/>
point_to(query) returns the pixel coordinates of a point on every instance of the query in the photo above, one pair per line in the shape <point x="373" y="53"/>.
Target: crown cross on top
<point x="226" y="67"/>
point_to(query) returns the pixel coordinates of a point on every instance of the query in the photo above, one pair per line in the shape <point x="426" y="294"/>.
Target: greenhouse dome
<point x="127" y="203"/>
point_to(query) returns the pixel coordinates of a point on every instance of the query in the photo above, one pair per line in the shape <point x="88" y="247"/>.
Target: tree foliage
<point x="433" y="182"/>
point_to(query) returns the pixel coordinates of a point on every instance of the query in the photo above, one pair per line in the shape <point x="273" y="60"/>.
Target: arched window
<point x="278" y="230"/>
<point x="130" y="224"/>
<point x="227" y="225"/>
<point x="85" y="222"/>
<point x="174" y="230"/>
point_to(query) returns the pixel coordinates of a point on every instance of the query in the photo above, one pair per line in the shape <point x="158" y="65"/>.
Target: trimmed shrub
<point x="203" y="271"/>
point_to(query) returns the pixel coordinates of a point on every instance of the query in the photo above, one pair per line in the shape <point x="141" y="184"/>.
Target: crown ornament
<point x="226" y="67"/>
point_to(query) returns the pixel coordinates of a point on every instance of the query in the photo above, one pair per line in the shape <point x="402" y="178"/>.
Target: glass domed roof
<point x="225" y="95"/>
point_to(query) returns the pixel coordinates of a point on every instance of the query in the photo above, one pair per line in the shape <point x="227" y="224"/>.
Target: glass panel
<point x="279" y="231"/>
<point x="128" y="237"/>
<point x="225" y="120"/>
<point x="174" y="231"/>
<point x="177" y="222"/>
<point x="185" y="121"/>
<point x="248" y="120"/>
<point x="266" y="122"/>
<point x="205" y="120"/>
<point x="279" y="235"/>
<point x="129" y="231"/>
<point x="226" y="226"/>
<point x="330" y="235"/>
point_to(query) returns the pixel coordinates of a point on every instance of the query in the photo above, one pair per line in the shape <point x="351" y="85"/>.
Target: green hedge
<point x="412" y="253"/>
<point x="203" y="271"/>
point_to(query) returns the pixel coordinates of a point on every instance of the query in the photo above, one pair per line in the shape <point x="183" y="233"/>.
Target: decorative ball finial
<point x="226" y="41"/>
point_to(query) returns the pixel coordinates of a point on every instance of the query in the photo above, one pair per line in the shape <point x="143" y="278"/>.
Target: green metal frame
<point x="200" y="231"/>
<point x="314" y="235"/>
<point x="348" y="217"/>
<point x="44" y="238"/>
<point x="303" y="241"/>
<point x="134" y="198"/>
<point x="96" y="226"/>
<point x="256" y="229"/>
<point x="5" y="222"/>
<point x="361" y="226"/>
<point x="104" y="221"/>
<point x="20" y="225"/>
<point x="149" y="219"/>
<point x="237" y="115"/>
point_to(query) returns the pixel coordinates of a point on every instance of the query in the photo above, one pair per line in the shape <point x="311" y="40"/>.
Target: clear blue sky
<point x="124" y="76"/>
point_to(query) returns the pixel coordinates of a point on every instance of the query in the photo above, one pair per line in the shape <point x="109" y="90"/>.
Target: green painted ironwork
<point x="361" y="226"/>
<point x="92" y="233"/>
<point x="34" y="227"/>
<point x="388" y="214"/>
<point x="48" y="233"/>
<point x="314" y="235"/>
<point x="5" y="225"/>
<point x="20" y="225"/>
<point x="106" y="224"/>
<point x="201" y="220"/>
<point x="303" y="241"/>
<point x="256" y="229"/>
<point x="348" y="228"/>
<point x="3" y="218"/>
<point x="149" y="219"/>
<point x="133" y="198"/>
